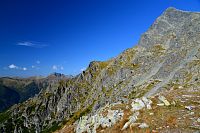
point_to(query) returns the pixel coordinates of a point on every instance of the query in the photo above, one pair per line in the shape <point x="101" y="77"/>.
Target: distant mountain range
<point x="15" y="90"/>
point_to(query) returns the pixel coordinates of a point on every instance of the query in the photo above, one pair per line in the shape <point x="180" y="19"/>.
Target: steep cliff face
<point x="166" y="56"/>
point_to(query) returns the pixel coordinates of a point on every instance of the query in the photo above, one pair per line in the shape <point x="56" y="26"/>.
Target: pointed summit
<point x="171" y="22"/>
<point x="172" y="9"/>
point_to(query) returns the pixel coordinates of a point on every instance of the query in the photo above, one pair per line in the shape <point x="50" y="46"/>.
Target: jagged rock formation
<point x="166" y="58"/>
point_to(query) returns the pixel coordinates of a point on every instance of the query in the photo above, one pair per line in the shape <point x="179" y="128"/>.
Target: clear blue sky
<point x="38" y="37"/>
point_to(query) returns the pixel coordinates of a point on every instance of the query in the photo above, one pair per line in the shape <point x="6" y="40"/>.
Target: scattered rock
<point x="147" y="102"/>
<point x="198" y="120"/>
<point x="90" y="124"/>
<point x="132" y="119"/>
<point x="151" y="113"/>
<point x="164" y="100"/>
<point x="191" y="113"/>
<point x="173" y="103"/>
<point x="188" y="96"/>
<point x="127" y="107"/>
<point x="189" y="107"/>
<point x="180" y="87"/>
<point x="81" y="125"/>
<point x="134" y="125"/>
<point x="143" y="125"/>
<point x="137" y="104"/>
<point x="161" y="104"/>
<point x="126" y="125"/>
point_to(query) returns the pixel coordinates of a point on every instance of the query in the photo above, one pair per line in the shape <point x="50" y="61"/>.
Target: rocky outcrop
<point x="91" y="124"/>
<point x="108" y="116"/>
<point x="166" y="58"/>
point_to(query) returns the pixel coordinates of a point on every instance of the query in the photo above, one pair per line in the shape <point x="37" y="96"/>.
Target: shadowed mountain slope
<point x="15" y="90"/>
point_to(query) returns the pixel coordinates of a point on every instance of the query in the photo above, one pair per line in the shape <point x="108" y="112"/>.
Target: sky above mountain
<point x="38" y="37"/>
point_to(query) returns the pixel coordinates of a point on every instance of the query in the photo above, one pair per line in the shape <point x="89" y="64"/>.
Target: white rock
<point x="180" y="87"/>
<point x="90" y="124"/>
<point x="149" y="107"/>
<point x="112" y="117"/>
<point x="174" y="103"/>
<point x="147" y="102"/>
<point x="105" y="122"/>
<point x="151" y="113"/>
<point x="198" y="120"/>
<point x="126" y="125"/>
<point x="164" y="100"/>
<point x="134" y="125"/>
<point x="132" y="119"/>
<point x="188" y="107"/>
<point x="110" y="113"/>
<point x="81" y="127"/>
<point x="88" y="129"/>
<point x="191" y="113"/>
<point x="137" y="105"/>
<point x="161" y="104"/>
<point x="143" y="125"/>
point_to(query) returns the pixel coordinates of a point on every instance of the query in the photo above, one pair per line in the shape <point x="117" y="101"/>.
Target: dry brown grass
<point x="118" y="107"/>
<point x="104" y="113"/>
<point x="171" y="121"/>
<point x="173" y="118"/>
<point x="66" y="129"/>
<point x="165" y="119"/>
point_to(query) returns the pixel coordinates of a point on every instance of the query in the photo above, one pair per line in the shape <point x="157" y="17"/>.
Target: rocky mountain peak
<point x="171" y="25"/>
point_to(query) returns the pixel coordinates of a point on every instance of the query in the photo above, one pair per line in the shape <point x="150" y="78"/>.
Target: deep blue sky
<point x="38" y="37"/>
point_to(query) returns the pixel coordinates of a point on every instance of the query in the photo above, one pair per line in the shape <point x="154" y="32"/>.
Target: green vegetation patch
<point x="4" y="116"/>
